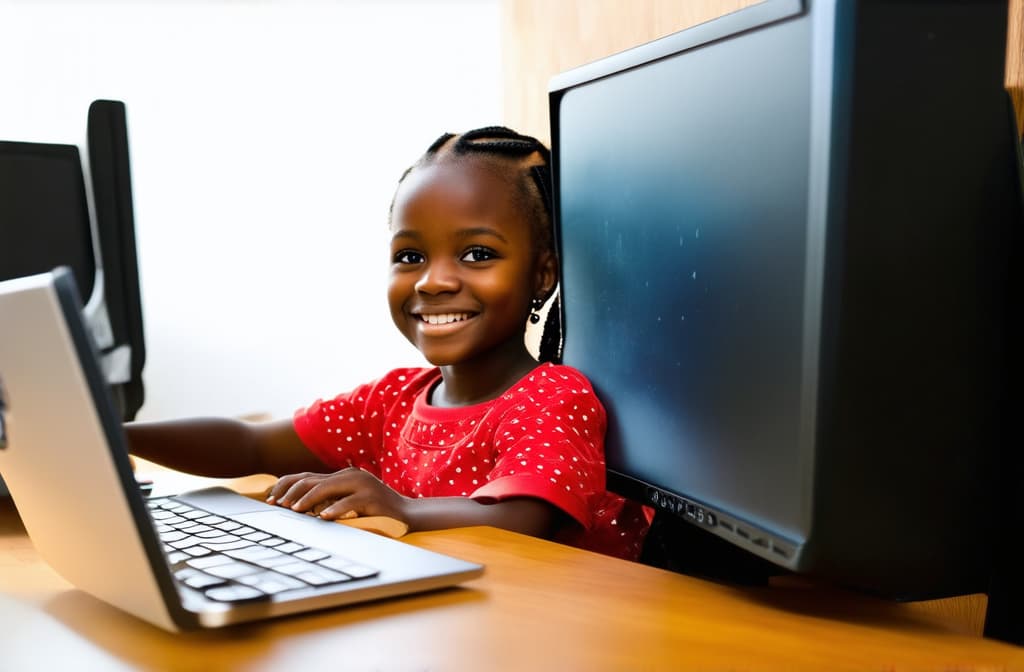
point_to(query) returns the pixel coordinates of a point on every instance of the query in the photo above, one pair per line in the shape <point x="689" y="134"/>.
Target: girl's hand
<point x="344" y="494"/>
<point x="353" y="492"/>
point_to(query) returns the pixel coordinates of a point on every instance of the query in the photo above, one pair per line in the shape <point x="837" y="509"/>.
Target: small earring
<point x="535" y="305"/>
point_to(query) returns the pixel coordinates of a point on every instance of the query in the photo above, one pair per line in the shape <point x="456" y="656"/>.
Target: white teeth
<point x="445" y="318"/>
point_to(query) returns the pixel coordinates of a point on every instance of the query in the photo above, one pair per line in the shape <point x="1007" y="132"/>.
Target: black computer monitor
<point x="786" y="238"/>
<point x="46" y="221"/>
<point x="44" y="216"/>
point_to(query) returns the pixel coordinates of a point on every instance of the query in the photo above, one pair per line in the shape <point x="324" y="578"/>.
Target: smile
<point x="445" y="318"/>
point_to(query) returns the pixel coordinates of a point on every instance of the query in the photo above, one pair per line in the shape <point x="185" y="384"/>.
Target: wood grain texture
<point x="539" y="606"/>
<point x="1015" y="60"/>
<point x="541" y="38"/>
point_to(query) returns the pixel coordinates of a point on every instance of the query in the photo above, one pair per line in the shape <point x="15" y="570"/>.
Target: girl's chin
<point x="438" y="357"/>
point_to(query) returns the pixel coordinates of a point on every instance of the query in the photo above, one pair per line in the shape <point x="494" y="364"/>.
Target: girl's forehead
<point x="464" y="186"/>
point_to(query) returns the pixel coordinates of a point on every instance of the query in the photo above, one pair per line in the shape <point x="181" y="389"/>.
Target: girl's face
<point x="463" y="267"/>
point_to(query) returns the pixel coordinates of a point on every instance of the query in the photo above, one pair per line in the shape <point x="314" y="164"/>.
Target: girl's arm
<point x="352" y="492"/>
<point x="221" y="447"/>
<point x="522" y="514"/>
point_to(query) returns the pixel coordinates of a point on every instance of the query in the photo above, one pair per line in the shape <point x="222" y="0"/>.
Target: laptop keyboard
<point x="232" y="562"/>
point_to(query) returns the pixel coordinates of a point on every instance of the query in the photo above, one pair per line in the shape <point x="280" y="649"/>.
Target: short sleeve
<point x="549" y="444"/>
<point x="347" y="431"/>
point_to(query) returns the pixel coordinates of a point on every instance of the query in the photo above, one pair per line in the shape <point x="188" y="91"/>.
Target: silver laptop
<point x="202" y="559"/>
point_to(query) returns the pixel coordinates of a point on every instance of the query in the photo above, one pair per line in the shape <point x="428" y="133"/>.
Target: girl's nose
<point x="438" y="277"/>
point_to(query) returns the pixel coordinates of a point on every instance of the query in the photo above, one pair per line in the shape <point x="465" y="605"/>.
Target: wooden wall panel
<point x="1015" y="60"/>
<point x="544" y="37"/>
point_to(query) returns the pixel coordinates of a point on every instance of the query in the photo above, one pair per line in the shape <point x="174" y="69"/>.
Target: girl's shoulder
<point x="552" y="381"/>
<point x="409" y="376"/>
<point x="407" y="381"/>
<point x="560" y="376"/>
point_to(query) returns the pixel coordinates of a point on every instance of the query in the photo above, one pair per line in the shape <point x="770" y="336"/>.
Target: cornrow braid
<point x="436" y="145"/>
<point x="532" y="160"/>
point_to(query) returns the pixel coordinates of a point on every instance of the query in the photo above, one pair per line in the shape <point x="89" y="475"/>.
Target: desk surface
<point x="540" y="606"/>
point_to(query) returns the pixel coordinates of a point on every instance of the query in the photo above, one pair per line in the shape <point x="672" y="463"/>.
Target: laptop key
<point x="235" y="593"/>
<point x="172" y="535"/>
<point x="355" y="570"/>
<point x="193" y="528"/>
<point x="273" y="541"/>
<point x="227" y="546"/>
<point x="254" y="553"/>
<point x="312" y="574"/>
<point x="311" y="554"/>
<point x="211" y="533"/>
<point x="271" y="582"/>
<point x="233" y="570"/>
<point x="294" y="567"/>
<point x="358" y="571"/>
<point x="196" y="551"/>
<point x="209" y="561"/>
<point x="322" y="577"/>
<point x="273" y="561"/>
<point x="193" y="578"/>
<point x="256" y="536"/>
<point x="185" y="543"/>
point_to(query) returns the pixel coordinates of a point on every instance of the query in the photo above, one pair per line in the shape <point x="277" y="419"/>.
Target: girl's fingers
<point x="310" y="491"/>
<point x="342" y="509"/>
<point x="290" y="488"/>
<point x="307" y="491"/>
<point x="281" y="487"/>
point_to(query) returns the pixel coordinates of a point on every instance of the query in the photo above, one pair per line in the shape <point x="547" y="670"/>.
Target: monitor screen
<point x="696" y="254"/>
<point x="44" y="216"/>
<point x="775" y="230"/>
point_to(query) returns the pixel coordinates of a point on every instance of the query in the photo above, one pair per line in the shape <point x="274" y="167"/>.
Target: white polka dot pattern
<point x="543" y="438"/>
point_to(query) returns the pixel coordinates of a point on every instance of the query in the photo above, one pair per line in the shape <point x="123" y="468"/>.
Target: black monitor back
<point x="45" y="222"/>
<point x="110" y="170"/>
<point x="786" y="240"/>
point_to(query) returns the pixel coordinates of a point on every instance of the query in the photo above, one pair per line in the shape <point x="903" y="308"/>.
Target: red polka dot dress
<point x="543" y="438"/>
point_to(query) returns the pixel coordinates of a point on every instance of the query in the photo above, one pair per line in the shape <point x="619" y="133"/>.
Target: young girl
<point x="487" y="436"/>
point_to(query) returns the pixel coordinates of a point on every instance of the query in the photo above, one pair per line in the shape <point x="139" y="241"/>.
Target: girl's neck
<point x="475" y="382"/>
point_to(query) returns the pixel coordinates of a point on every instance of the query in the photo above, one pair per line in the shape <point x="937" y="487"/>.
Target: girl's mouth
<point x="444" y="318"/>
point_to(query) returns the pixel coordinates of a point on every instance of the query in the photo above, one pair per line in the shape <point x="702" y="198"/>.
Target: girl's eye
<point x="408" y="257"/>
<point x="478" y="254"/>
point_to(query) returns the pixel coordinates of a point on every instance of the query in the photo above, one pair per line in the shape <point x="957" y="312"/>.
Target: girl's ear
<point x="547" y="275"/>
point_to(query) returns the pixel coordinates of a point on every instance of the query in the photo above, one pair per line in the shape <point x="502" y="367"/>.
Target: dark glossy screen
<point x="683" y="230"/>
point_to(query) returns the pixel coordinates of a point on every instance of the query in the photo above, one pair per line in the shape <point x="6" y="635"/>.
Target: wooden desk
<point x="540" y="606"/>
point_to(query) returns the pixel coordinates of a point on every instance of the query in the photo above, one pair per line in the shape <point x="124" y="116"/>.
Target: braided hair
<point x="528" y="161"/>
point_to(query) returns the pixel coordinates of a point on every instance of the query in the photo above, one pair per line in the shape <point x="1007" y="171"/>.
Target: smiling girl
<point x="486" y="435"/>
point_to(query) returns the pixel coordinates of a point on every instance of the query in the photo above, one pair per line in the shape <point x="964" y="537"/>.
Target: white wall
<point x="266" y="140"/>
